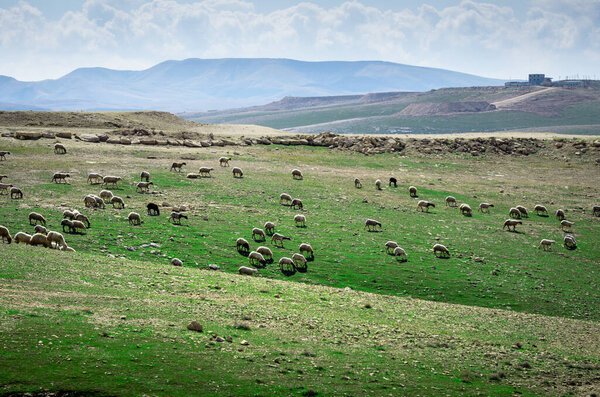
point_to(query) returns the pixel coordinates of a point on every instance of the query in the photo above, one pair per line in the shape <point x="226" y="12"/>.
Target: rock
<point x="125" y="141"/>
<point x="176" y="262"/>
<point x="214" y="267"/>
<point x="131" y="248"/>
<point x="219" y="339"/>
<point x="596" y="143"/>
<point x="205" y="143"/>
<point x="188" y="143"/>
<point x="89" y="138"/>
<point x="114" y="140"/>
<point x="102" y="137"/>
<point x="195" y="326"/>
<point x="23" y="135"/>
<point x="63" y="134"/>
<point x="244" y="343"/>
<point x="48" y="135"/>
<point x="155" y="245"/>
<point x="148" y="141"/>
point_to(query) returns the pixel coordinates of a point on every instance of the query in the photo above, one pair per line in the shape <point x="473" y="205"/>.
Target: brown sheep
<point x="112" y="180"/>
<point x="279" y="238"/>
<point x="424" y="204"/>
<point x="540" y="210"/>
<point x="67" y="223"/>
<point x="412" y="191"/>
<point x="390" y="245"/>
<point x="371" y="224"/>
<point x="242" y="245"/>
<point x="224" y="161"/>
<point x="546" y="244"/>
<point x="258" y="232"/>
<point x="523" y="211"/>
<point x="451" y="201"/>
<point x="40" y="229"/>
<point x="237" y="172"/>
<point x="145" y="176"/>
<point x="269" y="227"/>
<point x="60" y="176"/>
<point x="59" y="148"/>
<point x="357" y="183"/>
<point x="3" y="155"/>
<point x="5" y="234"/>
<point x="284" y="197"/>
<point x="16" y="193"/>
<point x="485" y="207"/>
<point x="34" y="216"/>
<point x="2" y="177"/>
<point x="118" y="201"/>
<point x="297" y="174"/>
<point x="205" y="171"/>
<point x="4" y="187"/>
<point x="596" y="210"/>
<point x="175" y="217"/>
<point x="560" y="214"/>
<point x="40" y="239"/>
<point x="177" y="166"/>
<point x="134" y="219"/>
<point x="22" y="238"/>
<point x="514" y="213"/>
<point x="297" y="204"/>
<point x="143" y="186"/>
<point x="94" y="178"/>
<point x="511" y="222"/>
<point x="564" y="224"/>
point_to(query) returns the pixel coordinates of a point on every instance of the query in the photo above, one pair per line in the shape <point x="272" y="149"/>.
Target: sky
<point x="46" y="39"/>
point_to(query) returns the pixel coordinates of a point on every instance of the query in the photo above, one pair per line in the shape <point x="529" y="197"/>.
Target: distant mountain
<point x="202" y="84"/>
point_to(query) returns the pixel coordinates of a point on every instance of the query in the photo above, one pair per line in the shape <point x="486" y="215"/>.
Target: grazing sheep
<point x="485" y="207"/>
<point x="284" y="197"/>
<point x="2" y="177"/>
<point x="99" y="201"/>
<point x="279" y="237"/>
<point x="269" y="227"/>
<point x="176" y="262"/>
<point x="134" y="218"/>
<point x="286" y="263"/>
<point x="258" y="232"/>
<point x="34" y="216"/>
<point x="5" y="234"/>
<point x="242" y="245"/>
<point x="84" y="219"/>
<point x="540" y="210"/>
<point x="523" y="211"/>
<point x="424" y="204"/>
<point x="78" y="226"/>
<point x="465" y="209"/>
<point x="106" y="195"/>
<point x="511" y="222"/>
<point x="153" y="209"/>
<point x="4" y="188"/>
<point x="94" y="178"/>
<point x="237" y="172"/>
<point x="16" y="193"/>
<point x="564" y="224"/>
<point x="68" y="214"/>
<point x="89" y="201"/>
<point x="145" y="176"/>
<point x="569" y="242"/>
<point x="306" y="249"/>
<point x="297" y="204"/>
<point x="371" y="224"/>
<point x="117" y="200"/>
<point x="254" y="257"/>
<point x="296" y="174"/>
<point x="60" y="176"/>
<point x="205" y="171"/>
<point x="22" y="238"/>
<point x="441" y="249"/>
<point x="390" y="245"/>
<point x="300" y="220"/>
<point x="75" y="213"/>
<point x="265" y="252"/>
<point x="393" y="181"/>
<point x="546" y="244"/>
<point x="143" y="186"/>
<point x="113" y="180"/>
<point x="67" y="249"/>
<point x="299" y="261"/>
<point x="378" y="184"/>
<point x="40" y="239"/>
<point x="514" y="213"/>
<point x="177" y="166"/>
<point x="191" y="175"/>
<point x="3" y="155"/>
<point x="59" y="148"/>
<point x="596" y="210"/>
<point x="451" y="201"/>
<point x="357" y="183"/>
<point x="56" y="238"/>
<point x="67" y="223"/>
<point x="248" y="271"/>
<point x="412" y="191"/>
<point x="399" y="252"/>
<point x="560" y="214"/>
<point x="40" y="229"/>
<point x="224" y="161"/>
<point x="175" y="217"/>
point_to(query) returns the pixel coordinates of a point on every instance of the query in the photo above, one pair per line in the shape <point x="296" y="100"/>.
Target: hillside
<point x="202" y="84"/>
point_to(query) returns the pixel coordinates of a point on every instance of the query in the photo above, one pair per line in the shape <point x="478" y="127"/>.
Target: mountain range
<point x="211" y="84"/>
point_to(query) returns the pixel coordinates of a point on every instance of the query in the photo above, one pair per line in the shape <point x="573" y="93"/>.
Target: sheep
<point x="514" y="213"/>
<point x="424" y="204"/>
<point x="59" y="148"/>
<point x="485" y="207"/>
<point x="378" y="184"/>
<point x="546" y="244"/>
<point x="67" y="249"/>
<point x="560" y="214"/>
<point x="34" y="216"/>
<point x="269" y="227"/>
<point x="441" y="249"/>
<point x="297" y="174"/>
<point x="100" y="201"/>
<point x="357" y="183"/>
<point x="5" y="234"/>
<point x="113" y="180"/>
<point x="390" y="246"/>
<point x="2" y="177"/>
<point x="177" y="166"/>
<point x="265" y="252"/>
<point x="94" y="178"/>
<point x="78" y="225"/>
<point x="258" y="232"/>
<point x="565" y="224"/>
<point x="134" y="218"/>
<point x="40" y="239"/>
<point x="3" y="155"/>
<point x="84" y="219"/>
<point x="248" y="271"/>
<point x="540" y="210"/>
<point x="371" y="224"/>
<point x="57" y="238"/>
<point x="89" y="201"/>
<point x="412" y="191"/>
<point x="393" y="181"/>
<point x="106" y="195"/>
<point x="465" y="209"/>
<point x="16" y="193"/>
<point x="145" y="176"/>
<point x="242" y="245"/>
<point x="67" y="223"/>
<point x="595" y="210"/>
<point x="40" y="229"/>
<point x="22" y="238"/>
<point x="176" y="262"/>
<point x="237" y="172"/>
<point x="117" y="200"/>
<point x="511" y="222"/>
<point x="399" y="252"/>
<point x="278" y="237"/>
<point x="569" y="242"/>
<point x="4" y="187"/>
<point x="286" y="262"/>
<point x="68" y="214"/>
<point x="76" y="213"/>
<point x="192" y="175"/>
<point x="205" y="171"/>
<point x="297" y="204"/>
<point x="153" y="209"/>
<point x="300" y="220"/>
<point x="451" y="201"/>
<point x="254" y="257"/>
<point x="284" y="197"/>
<point x="224" y="161"/>
<point x="299" y="261"/>
<point x="523" y="211"/>
<point x="143" y="186"/>
<point x="175" y="217"/>
<point x="306" y="249"/>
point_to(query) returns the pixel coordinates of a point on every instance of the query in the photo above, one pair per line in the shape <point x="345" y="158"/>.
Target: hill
<point x="202" y="84"/>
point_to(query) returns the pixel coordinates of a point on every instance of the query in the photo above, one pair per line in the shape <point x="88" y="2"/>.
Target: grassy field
<point x="326" y="340"/>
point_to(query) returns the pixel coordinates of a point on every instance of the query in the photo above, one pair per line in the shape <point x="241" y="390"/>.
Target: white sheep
<point x="378" y="184"/>
<point x="465" y="209"/>
<point x="40" y="229"/>
<point x="514" y="213"/>
<point x="306" y="250"/>
<point x="300" y="220"/>
<point x="59" y="148"/>
<point x="296" y="174"/>
<point x="143" y="186"/>
<point x="284" y="197"/>
<point x="357" y="183"/>
<point x="83" y="218"/>
<point x="5" y="234"/>
<point x="56" y="238"/>
<point x="112" y="180"/>
<point x="35" y="217"/>
<point x="286" y="263"/>
<point x="565" y="224"/>
<point x="371" y="224"/>
<point x="258" y="232"/>
<point x="441" y="249"/>
<point x="390" y="245"/>
<point x="540" y="210"/>
<point x="192" y="175"/>
<point x="265" y="252"/>
<point x="242" y="245"/>
<point x="176" y="262"/>
<point x="279" y="238"/>
<point x="546" y="244"/>
<point x="224" y="161"/>
<point x="106" y="195"/>
<point x="485" y="207"/>
<point x="523" y="211"/>
<point x="22" y="238"/>
<point x="412" y="191"/>
<point x="269" y="227"/>
<point x="99" y="201"/>
<point x="89" y="201"/>
<point x="78" y="226"/>
<point x="134" y="218"/>
<point x="299" y="261"/>
<point x="94" y="178"/>
<point x="176" y="217"/>
<point x="237" y="172"/>
<point x="511" y="222"/>
<point x="451" y="201"/>
<point x="424" y="204"/>
<point x="118" y="201"/>
<point x="254" y="257"/>
<point x="569" y="242"/>
<point x="40" y="239"/>
<point x="399" y="252"/>
<point x="68" y="214"/>
<point x="67" y="223"/>
<point x="248" y="271"/>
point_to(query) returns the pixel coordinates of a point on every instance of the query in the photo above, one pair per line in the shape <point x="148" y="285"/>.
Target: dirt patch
<point x="446" y="108"/>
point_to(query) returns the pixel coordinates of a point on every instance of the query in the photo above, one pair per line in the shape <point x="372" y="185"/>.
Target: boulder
<point x="89" y="137"/>
<point x="63" y="134"/>
<point x="26" y="135"/>
<point x="125" y="141"/>
<point x="189" y="143"/>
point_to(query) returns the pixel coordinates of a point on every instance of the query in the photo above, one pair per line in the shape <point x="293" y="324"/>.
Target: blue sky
<point x="42" y="39"/>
